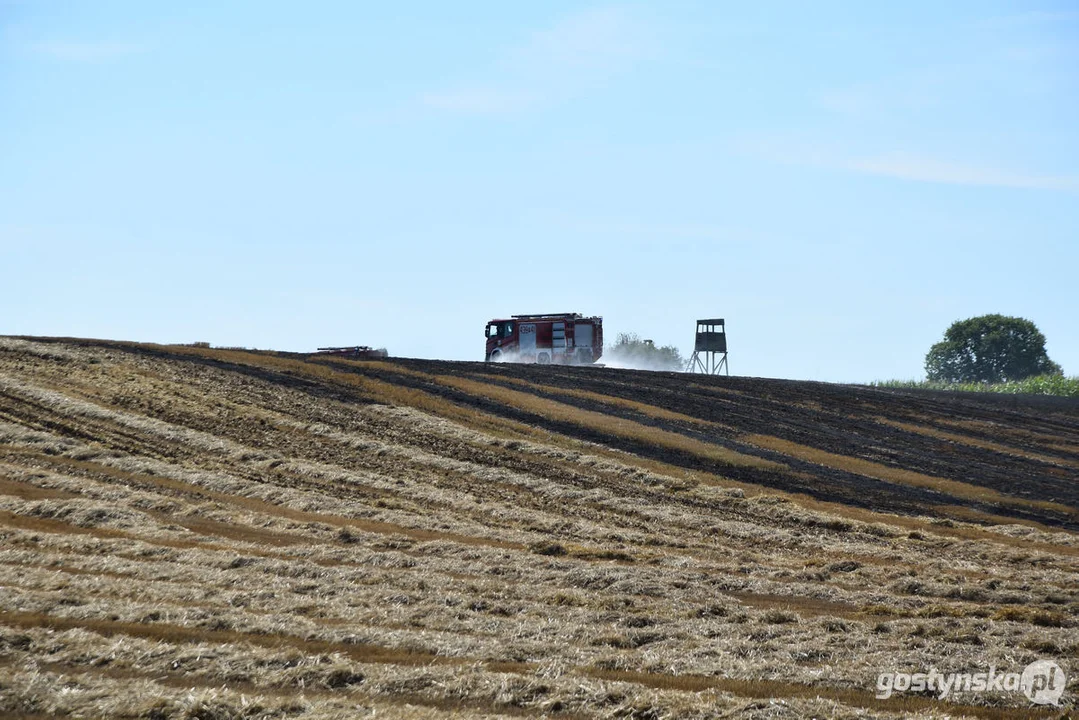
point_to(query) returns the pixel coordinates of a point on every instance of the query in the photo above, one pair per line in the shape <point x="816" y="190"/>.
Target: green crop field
<point x="1039" y="385"/>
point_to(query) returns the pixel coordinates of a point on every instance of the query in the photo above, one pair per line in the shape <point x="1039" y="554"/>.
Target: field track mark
<point x="282" y="539"/>
<point x="163" y="632"/>
<point x="352" y="693"/>
<point x="877" y="471"/>
<point x="268" y="508"/>
<point x="29" y="491"/>
<point x="1057" y="434"/>
<point x="168" y="605"/>
<point x="803" y="606"/>
<point x="851" y="697"/>
<point x="654" y="411"/>
<point x="555" y="410"/>
<point x="60" y="527"/>
<point x="978" y="443"/>
<point x="375" y="654"/>
<point x="590" y="419"/>
<point x="377" y="527"/>
<point x="71" y="570"/>
<point x="106" y="432"/>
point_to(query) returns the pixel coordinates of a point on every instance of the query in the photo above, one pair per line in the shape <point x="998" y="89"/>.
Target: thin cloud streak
<point x="900" y="166"/>
<point x="554" y="63"/>
<point x="87" y="52"/>
<point x="589" y="40"/>
<point x="1029" y="18"/>
<point x="479" y="101"/>
<point x="927" y="169"/>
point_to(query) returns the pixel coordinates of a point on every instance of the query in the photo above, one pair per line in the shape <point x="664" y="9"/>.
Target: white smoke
<point x="630" y="352"/>
<point x="615" y="360"/>
<point x="508" y="356"/>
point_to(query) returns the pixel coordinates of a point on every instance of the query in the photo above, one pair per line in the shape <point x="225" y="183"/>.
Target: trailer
<point x="551" y="338"/>
<point x="354" y="352"/>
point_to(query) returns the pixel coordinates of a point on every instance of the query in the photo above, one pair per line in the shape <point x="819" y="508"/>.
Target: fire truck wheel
<point x="543" y="359"/>
<point x="496" y="356"/>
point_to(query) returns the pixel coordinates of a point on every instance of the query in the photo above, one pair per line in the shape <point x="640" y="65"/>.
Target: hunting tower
<point x="710" y="348"/>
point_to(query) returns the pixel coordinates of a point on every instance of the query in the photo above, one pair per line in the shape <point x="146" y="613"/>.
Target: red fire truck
<point x="561" y="338"/>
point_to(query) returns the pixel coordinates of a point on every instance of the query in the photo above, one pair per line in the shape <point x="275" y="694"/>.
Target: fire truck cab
<point x="559" y="338"/>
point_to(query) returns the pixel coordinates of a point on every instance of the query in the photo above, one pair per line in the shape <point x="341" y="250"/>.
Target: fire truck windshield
<point x="497" y="330"/>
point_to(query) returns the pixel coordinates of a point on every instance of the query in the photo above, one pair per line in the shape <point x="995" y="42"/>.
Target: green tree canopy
<point x="991" y="349"/>
<point x="631" y="351"/>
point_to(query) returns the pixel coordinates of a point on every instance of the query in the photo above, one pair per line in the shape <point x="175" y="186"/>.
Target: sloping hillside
<point x="189" y="533"/>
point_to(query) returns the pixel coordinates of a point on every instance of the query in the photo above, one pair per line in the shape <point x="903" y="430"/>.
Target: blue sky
<point x="840" y="181"/>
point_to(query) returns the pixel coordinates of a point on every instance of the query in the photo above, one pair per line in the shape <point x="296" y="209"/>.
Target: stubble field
<point x="202" y="533"/>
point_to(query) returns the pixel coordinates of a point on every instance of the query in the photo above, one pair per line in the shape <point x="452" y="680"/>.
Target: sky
<point x="839" y="181"/>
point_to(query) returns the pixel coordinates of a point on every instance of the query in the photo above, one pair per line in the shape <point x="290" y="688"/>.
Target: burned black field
<point x="1021" y="447"/>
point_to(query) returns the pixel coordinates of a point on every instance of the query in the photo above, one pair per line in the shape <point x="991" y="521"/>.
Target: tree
<point x="990" y="349"/>
<point x="632" y="352"/>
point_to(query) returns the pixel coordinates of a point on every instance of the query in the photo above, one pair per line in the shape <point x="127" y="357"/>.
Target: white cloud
<point x="899" y="96"/>
<point x="554" y="63"/>
<point x="927" y="169"/>
<point x="1029" y="18"/>
<point x="87" y="52"/>
<point x="595" y="39"/>
<point x="900" y="165"/>
<point x="479" y="100"/>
